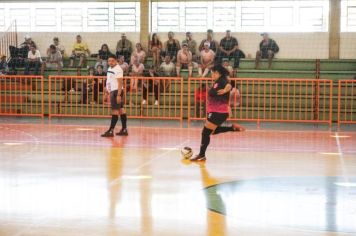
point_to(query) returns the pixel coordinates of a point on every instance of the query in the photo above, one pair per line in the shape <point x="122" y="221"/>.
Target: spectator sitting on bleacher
<point x="150" y="85"/>
<point x="102" y="58"/>
<point x="184" y="60"/>
<point x="59" y="47"/>
<point x="228" y="67"/>
<point x="137" y="70"/>
<point x="54" y="59"/>
<point x="28" y="42"/>
<point x="171" y="46"/>
<point x="167" y="68"/>
<point x="268" y="48"/>
<point x="138" y="53"/>
<point x="4" y="68"/>
<point x="87" y="85"/>
<point x="228" y="48"/>
<point x="206" y="60"/>
<point x="192" y="45"/>
<point x="80" y="50"/>
<point x="33" y="60"/>
<point x="124" y="66"/>
<point x="124" y="48"/>
<point x="155" y="48"/>
<point x="209" y="38"/>
<point x="99" y="83"/>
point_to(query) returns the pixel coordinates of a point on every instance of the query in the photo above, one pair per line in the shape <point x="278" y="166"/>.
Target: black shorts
<point x="217" y="118"/>
<point x="113" y="100"/>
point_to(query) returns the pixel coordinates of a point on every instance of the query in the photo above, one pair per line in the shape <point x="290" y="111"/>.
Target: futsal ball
<point x="187" y="152"/>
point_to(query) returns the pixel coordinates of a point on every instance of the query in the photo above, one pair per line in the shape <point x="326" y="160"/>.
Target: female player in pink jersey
<point x="217" y="109"/>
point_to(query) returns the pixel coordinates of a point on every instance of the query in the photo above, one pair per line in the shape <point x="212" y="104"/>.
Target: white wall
<point x="292" y="45"/>
<point x="348" y="46"/>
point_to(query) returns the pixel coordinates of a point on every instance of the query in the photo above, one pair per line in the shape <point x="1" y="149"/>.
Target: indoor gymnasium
<point x="175" y="118"/>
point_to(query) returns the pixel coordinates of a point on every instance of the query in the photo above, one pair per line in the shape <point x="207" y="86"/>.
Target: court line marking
<point x="133" y="171"/>
<point x="345" y="174"/>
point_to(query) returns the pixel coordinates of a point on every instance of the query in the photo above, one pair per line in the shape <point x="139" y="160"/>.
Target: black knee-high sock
<point x="123" y="118"/>
<point x="205" y="140"/>
<point x="114" y="119"/>
<point x="223" y="129"/>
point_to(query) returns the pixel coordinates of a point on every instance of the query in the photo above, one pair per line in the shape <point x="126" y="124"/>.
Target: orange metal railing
<point x="280" y="100"/>
<point x="346" y="110"/>
<point x="85" y="96"/>
<point x="8" y="38"/>
<point x="21" y="95"/>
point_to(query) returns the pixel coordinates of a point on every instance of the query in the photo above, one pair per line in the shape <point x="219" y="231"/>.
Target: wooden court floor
<point x="65" y="180"/>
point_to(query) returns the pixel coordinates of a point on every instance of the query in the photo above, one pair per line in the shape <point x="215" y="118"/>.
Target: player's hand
<point x="222" y="91"/>
<point x="118" y="99"/>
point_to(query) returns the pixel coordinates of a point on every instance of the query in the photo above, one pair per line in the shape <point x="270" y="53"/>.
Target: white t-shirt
<point x="112" y="75"/>
<point x="168" y="69"/>
<point x="36" y="55"/>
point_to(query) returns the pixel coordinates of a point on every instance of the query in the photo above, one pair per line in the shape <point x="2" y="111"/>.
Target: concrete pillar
<point x="145" y="23"/>
<point x="334" y="29"/>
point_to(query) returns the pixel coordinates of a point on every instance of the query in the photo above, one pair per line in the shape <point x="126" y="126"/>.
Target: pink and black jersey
<point x="218" y="103"/>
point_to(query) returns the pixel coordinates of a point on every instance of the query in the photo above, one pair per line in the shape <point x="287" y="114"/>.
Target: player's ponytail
<point x="222" y="71"/>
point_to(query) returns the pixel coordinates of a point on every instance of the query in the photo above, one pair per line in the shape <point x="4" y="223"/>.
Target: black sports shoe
<point x="109" y="133"/>
<point x="123" y="132"/>
<point x="198" y="158"/>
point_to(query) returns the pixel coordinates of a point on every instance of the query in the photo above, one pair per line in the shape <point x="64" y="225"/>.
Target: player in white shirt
<point x="114" y="86"/>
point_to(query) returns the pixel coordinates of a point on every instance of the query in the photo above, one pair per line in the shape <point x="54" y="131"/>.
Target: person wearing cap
<point x="192" y="44"/>
<point x="139" y="53"/>
<point x="209" y="38"/>
<point x="28" y="42"/>
<point x="268" y="48"/>
<point x="229" y="48"/>
<point x="206" y="60"/>
<point x="184" y="60"/>
<point x="4" y="68"/>
<point x="33" y="60"/>
<point x="124" y="48"/>
<point x="171" y="46"/>
<point x="54" y="59"/>
<point x="80" y="50"/>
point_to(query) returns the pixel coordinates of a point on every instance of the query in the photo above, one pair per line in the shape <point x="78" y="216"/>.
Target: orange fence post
<point x="21" y="95"/>
<point x="346" y="102"/>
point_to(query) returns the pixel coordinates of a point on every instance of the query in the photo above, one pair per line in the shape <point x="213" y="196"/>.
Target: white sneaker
<point x="156" y="103"/>
<point x="144" y="102"/>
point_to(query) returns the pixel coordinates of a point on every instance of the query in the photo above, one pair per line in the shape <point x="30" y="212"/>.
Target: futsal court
<point x="62" y="178"/>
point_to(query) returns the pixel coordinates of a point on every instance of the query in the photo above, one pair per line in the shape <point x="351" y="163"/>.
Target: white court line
<point x="345" y="174"/>
<point x="117" y="180"/>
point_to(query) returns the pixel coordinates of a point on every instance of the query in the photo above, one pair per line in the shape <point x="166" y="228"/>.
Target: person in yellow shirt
<point x="80" y="50"/>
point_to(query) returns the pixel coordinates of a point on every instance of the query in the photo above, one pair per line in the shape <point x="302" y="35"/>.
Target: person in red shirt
<point x="200" y="101"/>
